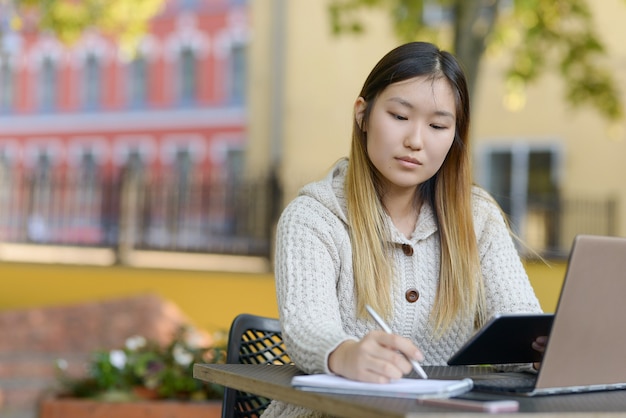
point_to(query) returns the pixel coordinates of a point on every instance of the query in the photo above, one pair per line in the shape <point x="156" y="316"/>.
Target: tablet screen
<point x="505" y="339"/>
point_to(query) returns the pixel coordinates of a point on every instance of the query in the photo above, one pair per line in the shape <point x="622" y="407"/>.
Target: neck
<point x="403" y="208"/>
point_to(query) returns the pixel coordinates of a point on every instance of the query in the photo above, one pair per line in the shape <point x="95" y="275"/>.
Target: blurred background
<point x="147" y="147"/>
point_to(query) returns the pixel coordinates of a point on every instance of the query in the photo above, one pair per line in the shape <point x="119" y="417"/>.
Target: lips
<point x="410" y="160"/>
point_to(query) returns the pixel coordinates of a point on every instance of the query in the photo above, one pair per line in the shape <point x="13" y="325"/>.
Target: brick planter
<point x="52" y="407"/>
<point x="40" y="336"/>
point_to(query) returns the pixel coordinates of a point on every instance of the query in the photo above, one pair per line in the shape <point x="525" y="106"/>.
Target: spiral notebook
<point x="400" y="388"/>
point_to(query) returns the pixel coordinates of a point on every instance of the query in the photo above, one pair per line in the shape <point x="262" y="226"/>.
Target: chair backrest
<point x="252" y="340"/>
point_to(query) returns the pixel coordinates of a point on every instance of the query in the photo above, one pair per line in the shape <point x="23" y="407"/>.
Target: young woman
<point x="397" y="226"/>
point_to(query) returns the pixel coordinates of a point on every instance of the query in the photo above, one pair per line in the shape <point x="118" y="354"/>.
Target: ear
<point x="359" y="111"/>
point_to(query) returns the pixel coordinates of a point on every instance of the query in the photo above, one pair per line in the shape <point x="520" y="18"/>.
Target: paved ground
<point x="19" y="413"/>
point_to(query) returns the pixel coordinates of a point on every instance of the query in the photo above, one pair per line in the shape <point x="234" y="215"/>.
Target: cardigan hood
<point x="330" y="192"/>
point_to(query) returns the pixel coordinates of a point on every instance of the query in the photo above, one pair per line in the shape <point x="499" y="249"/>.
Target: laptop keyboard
<point x="487" y="379"/>
<point x="455" y="372"/>
<point x="519" y="383"/>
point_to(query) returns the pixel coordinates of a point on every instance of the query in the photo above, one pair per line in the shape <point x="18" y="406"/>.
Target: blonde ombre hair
<point x="460" y="289"/>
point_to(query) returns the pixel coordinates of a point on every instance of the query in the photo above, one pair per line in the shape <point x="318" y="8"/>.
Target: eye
<point x="398" y="117"/>
<point x="438" y="127"/>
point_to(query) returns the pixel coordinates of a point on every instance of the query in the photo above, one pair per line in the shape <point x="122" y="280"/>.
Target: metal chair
<point x="252" y="339"/>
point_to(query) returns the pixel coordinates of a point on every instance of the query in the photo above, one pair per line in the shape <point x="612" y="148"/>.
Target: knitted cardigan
<point x="315" y="283"/>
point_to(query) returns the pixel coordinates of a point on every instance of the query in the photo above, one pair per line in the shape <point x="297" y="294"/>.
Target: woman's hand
<point x="539" y="345"/>
<point x="378" y="358"/>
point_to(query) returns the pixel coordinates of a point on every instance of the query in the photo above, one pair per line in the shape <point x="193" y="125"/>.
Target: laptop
<point x="586" y="349"/>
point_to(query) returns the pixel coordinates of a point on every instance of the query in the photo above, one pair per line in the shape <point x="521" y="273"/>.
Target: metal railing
<point x="139" y="211"/>
<point x="211" y="214"/>
<point x="551" y="224"/>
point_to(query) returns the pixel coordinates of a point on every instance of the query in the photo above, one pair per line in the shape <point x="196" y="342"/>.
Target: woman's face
<point x="410" y="129"/>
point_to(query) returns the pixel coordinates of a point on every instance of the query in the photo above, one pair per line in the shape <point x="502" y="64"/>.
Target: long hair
<point x="460" y="289"/>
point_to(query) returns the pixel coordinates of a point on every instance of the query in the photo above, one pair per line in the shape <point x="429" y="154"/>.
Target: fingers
<point x="383" y="360"/>
<point x="378" y="358"/>
<point x="353" y="359"/>
<point x="399" y="344"/>
<point x="406" y="347"/>
<point x="388" y="355"/>
<point x="540" y="344"/>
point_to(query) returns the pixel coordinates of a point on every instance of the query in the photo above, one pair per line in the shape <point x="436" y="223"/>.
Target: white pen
<point x="416" y="366"/>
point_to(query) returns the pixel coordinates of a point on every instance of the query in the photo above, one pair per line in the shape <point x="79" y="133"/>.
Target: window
<point x="87" y="224"/>
<point x="235" y="164"/>
<point x="43" y="167"/>
<point x="47" y="91"/>
<point x="6" y="169"/>
<point x="6" y="84"/>
<point x="92" y="82"/>
<point x="133" y="153"/>
<point x="183" y="153"/>
<point x="524" y="181"/>
<point x="237" y="72"/>
<point x="11" y="213"/>
<point x="187" y="76"/>
<point x="88" y="167"/>
<point x="84" y="158"/>
<point x="183" y="165"/>
<point x="138" y="82"/>
<point x="189" y="4"/>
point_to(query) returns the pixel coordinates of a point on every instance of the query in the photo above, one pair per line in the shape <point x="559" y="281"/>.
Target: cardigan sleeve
<point x="507" y="287"/>
<point x="309" y="239"/>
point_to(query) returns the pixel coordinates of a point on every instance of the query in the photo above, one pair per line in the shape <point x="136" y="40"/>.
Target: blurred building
<point x="80" y="122"/>
<point x="175" y="119"/>
<point x="556" y="170"/>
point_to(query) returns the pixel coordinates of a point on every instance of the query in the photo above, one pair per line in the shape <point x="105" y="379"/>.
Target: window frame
<point x="518" y="195"/>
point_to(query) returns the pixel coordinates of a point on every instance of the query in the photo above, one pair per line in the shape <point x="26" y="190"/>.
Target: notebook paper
<point x="401" y="388"/>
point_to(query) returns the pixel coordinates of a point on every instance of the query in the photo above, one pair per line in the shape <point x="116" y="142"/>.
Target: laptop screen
<point x="587" y="344"/>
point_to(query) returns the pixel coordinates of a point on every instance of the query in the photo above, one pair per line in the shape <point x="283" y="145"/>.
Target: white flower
<point x="61" y="364"/>
<point x="182" y="356"/>
<point x="118" y="359"/>
<point x="136" y="342"/>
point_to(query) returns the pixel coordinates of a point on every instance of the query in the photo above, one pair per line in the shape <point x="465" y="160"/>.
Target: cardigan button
<point x="407" y="250"/>
<point x="412" y="295"/>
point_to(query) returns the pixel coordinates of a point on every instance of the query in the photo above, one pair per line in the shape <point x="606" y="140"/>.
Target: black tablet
<point x="505" y="339"/>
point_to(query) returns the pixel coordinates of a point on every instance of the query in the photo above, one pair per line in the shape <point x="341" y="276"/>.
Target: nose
<point x="414" y="138"/>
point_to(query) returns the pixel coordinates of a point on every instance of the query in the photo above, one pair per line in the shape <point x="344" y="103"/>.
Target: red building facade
<point x="90" y="110"/>
<point x="182" y="92"/>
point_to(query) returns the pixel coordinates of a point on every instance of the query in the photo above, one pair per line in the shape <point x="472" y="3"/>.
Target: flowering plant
<point x="144" y="369"/>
